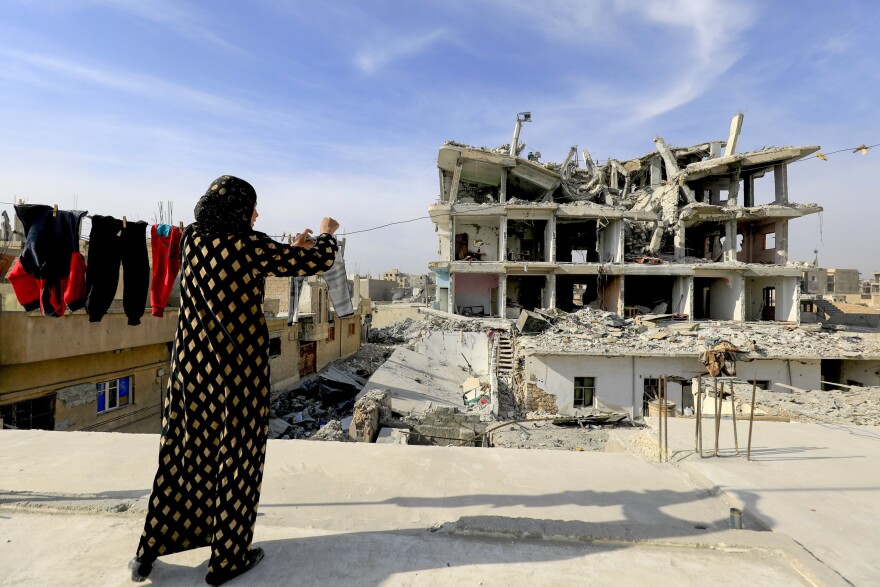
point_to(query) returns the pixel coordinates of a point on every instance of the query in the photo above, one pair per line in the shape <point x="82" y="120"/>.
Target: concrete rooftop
<point x="72" y="505"/>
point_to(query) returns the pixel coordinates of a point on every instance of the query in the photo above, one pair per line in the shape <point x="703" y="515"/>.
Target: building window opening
<point x="33" y="414"/>
<point x="577" y="242"/>
<point x="648" y="295"/>
<point x="524" y="292"/>
<point x="525" y="240"/>
<point x="113" y="394"/>
<point x="584" y="392"/>
<point x="576" y="292"/>
<point x="768" y="304"/>
<point x="769" y="241"/>
<point x="274" y="347"/>
<point x="651" y="392"/>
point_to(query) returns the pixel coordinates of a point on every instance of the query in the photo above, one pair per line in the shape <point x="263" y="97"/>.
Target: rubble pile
<point x="858" y="405"/>
<point x="548" y="436"/>
<point x="599" y="332"/>
<point x="408" y="331"/>
<point x="318" y="406"/>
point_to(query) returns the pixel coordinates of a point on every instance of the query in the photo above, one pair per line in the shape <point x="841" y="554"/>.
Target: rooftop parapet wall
<point x="32" y="338"/>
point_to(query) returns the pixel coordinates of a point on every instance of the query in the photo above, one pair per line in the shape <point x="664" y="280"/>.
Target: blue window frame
<point x="116" y="393"/>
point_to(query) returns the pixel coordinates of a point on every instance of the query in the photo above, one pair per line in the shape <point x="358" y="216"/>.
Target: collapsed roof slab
<point x="580" y="210"/>
<point x="536" y="174"/>
<point x="698" y="212"/>
<point x="747" y="161"/>
<point x="450" y="154"/>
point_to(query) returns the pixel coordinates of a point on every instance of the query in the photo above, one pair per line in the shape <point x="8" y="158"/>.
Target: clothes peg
<point x="181" y="226"/>
<point x="124" y="222"/>
<point x="55" y="211"/>
<point x="20" y="202"/>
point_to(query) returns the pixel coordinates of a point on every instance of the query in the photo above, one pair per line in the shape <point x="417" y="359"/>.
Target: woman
<point x="217" y="407"/>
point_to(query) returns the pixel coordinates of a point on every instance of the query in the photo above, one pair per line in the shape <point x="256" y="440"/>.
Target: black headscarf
<point x="226" y="207"/>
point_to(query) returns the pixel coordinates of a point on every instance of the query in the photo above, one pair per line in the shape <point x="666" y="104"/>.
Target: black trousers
<point x="109" y="245"/>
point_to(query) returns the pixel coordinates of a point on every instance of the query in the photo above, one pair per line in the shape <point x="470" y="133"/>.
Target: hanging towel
<point x="337" y="285"/>
<point x="50" y="263"/>
<point x="165" y="245"/>
<point x="337" y="289"/>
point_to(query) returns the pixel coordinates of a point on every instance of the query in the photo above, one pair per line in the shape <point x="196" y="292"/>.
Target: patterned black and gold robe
<point x="217" y="408"/>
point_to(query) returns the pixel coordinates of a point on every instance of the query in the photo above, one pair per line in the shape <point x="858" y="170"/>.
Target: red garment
<point x="26" y="287"/>
<point x="166" y="265"/>
<point x="32" y="293"/>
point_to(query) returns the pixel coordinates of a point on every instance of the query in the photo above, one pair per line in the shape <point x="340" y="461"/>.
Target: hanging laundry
<point x="111" y="243"/>
<point x="49" y="273"/>
<point x="296" y="284"/>
<point x="337" y="285"/>
<point x="337" y="289"/>
<point x="165" y="245"/>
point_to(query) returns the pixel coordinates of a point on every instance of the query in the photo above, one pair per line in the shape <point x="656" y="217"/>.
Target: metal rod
<point x="666" y="417"/>
<point x="659" y="400"/>
<point x="717" y="411"/>
<point x="733" y="415"/>
<point x="700" y="416"/>
<point x="751" y="421"/>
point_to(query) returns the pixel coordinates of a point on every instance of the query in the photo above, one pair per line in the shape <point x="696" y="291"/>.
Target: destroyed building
<point x="694" y="236"/>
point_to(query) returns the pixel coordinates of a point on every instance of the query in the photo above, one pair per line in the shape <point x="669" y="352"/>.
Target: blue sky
<point x="338" y="108"/>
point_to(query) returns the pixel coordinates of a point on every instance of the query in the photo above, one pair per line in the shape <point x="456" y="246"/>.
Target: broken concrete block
<point x="331" y="431"/>
<point x="369" y="410"/>
<point x="531" y="322"/>
<point x="393" y="436"/>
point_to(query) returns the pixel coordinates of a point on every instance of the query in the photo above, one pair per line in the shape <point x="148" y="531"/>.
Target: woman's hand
<point x="328" y="225"/>
<point x="302" y="239"/>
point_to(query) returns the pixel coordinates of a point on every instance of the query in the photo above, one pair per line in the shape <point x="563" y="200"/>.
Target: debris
<point x="371" y="409"/>
<point x="331" y="431"/>
<point x="531" y="322"/>
<point x="720" y="359"/>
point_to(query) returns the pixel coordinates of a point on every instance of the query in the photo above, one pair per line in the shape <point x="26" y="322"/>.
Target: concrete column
<point x="733" y="191"/>
<point x="550" y="298"/>
<point x="656" y="173"/>
<point x="502" y="239"/>
<point x="502" y="292"/>
<point x="456" y="180"/>
<point x="450" y="307"/>
<point x="550" y="240"/>
<point x="679" y="241"/>
<point x="739" y="311"/>
<point x="502" y="191"/>
<point x="730" y="240"/>
<point x="451" y="237"/>
<point x="780" y="178"/>
<point x="782" y="242"/>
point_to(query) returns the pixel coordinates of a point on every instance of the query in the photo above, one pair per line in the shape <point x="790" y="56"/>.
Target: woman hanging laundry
<point x="216" y="414"/>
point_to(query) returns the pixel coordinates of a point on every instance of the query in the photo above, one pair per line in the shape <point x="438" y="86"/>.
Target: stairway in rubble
<point x="504" y="355"/>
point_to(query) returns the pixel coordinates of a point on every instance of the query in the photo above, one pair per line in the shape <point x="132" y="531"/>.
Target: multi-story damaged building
<point x="694" y="235"/>
<point x="698" y="231"/>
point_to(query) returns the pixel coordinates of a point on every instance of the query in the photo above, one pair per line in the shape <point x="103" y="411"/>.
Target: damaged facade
<point x="694" y="236"/>
<point x="700" y="232"/>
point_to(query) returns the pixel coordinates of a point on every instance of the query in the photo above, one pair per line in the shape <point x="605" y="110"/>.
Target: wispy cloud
<point x="714" y="28"/>
<point x="381" y="54"/>
<point x="174" y="16"/>
<point x="691" y="44"/>
<point x="145" y="86"/>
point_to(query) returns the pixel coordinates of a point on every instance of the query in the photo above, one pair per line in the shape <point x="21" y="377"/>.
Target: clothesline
<point x="347" y="233"/>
